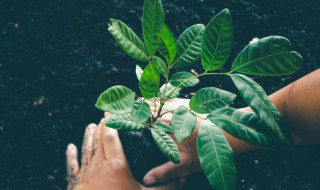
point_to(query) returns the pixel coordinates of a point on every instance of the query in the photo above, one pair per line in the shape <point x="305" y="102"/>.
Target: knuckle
<point x="116" y="165"/>
<point x="108" y="137"/>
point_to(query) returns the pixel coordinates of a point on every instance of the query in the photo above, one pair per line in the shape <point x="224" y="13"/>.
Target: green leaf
<point x="216" y="157"/>
<point x="150" y="80"/>
<point x="166" y="145"/>
<point x="253" y="94"/>
<point x="152" y="23"/>
<point x="170" y="90"/>
<point x="124" y="122"/>
<point x="270" y="56"/>
<point x="189" y="46"/>
<point x="117" y="100"/>
<point x="209" y="99"/>
<point x="167" y="45"/>
<point x="183" y="123"/>
<point x="139" y="72"/>
<point x="140" y="112"/>
<point x="163" y="127"/>
<point x="245" y="126"/>
<point x="217" y="41"/>
<point x="163" y="69"/>
<point x="185" y="79"/>
<point x="128" y="40"/>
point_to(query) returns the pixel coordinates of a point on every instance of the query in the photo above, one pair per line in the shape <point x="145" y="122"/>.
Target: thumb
<point x="164" y="173"/>
<point x="173" y="185"/>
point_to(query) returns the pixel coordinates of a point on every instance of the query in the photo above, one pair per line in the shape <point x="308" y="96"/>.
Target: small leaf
<point x="167" y="45"/>
<point x="140" y="112"/>
<point x="124" y="122"/>
<point x="216" y="157"/>
<point x="128" y="40"/>
<point x="189" y="46"/>
<point x="183" y="123"/>
<point x="209" y="99"/>
<point x="163" y="69"/>
<point x="152" y="23"/>
<point x="150" y="80"/>
<point x="139" y="72"/>
<point x="254" y="95"/>
<point x="166" y="145"/>
<point x="117" y="100"/>
<point x="163" y="127"/>
<point x="185" y="79"/>
<point x="244" y="126"/>
<point x="217" y="41"/>
<point x="270" y="56"/>
<point x="170" y="90"/>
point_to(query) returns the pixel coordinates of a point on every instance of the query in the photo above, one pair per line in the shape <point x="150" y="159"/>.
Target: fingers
<point x="164" y="173"/>
<point x="174" y="185"/>
<point x="87" y="145"/>
<point x="72" y="161"/>
<point x="98" y="154"/>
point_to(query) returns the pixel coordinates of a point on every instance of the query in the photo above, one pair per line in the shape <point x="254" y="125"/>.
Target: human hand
<point x="103" y="164"/>
<point x="188" y="151"/>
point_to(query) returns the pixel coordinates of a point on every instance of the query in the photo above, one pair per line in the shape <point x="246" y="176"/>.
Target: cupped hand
<point x="104" y="165"/>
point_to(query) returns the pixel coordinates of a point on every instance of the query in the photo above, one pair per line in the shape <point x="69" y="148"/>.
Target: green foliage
<point x="183" y="123"/>
<point x="189" y="46"/>
<point x="216" y="156"/>
<point x="128" y="40"/>
<point x="269" y="56"/>
<point x="152" y="24"/>
<point x="116" y="100"/>
<point x="217" y="41"/>
<point x="209" y="99"/>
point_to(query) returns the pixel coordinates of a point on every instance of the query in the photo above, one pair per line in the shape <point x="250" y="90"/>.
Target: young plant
<point x="270" y="56"/>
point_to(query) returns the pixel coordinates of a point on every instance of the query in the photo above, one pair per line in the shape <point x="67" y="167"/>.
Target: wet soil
<point x="56" y="57"/>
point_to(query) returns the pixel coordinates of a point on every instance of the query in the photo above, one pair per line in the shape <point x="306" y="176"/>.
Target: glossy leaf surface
<point x="117" y="100"/>
<point x="128" y="40"/>
<point x="140" y="112"/>
<point x="163" y="69"/>
<point x="152" y="23"/>
<point x="183" y="123"/>
<point x="150" y="80"/>
<point x="167" y="44"/>
<point x="209" y="99"/>
<point x="270" y="56"/>
<point x="163" y="127"/>
<point x="170" y="90"/>
<point x="217" y="41"/>
<point x="216" y="157"/>
<point x="124" y="122"/>
<point x="189" y="46"/>
<point x="186" y="79"/>
<point x="139" y="72"/>
<point x="166" y="145"/>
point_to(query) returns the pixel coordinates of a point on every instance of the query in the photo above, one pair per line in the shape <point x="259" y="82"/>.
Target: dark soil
<point x="56" y="57"/>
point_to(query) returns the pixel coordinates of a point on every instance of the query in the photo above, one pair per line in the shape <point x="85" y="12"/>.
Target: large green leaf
<point x="170" y="90"/>
<point x="184" y="79"/>
<point x="140" y="112"/>
<point x="150" y="80"/>
<point x="163" y="69"/>
<point x="166" y="145"/>
<point x="128" y="40"/>
<point x="183" y="123"/>
<point x="152" y="23"/>
<point x="124" y="122"/>
<point x="245" y="126"/>
<point x="209" y="99"/>
<point x="163" y="127"/>
<point x="216" y="157"/>
<point x="254" y="95"/>
<point x="217" y="41"/>
<point x="270" y="56"/>
<point x="189" y="46"/>
<point x="167" y="45"/>
<point x="117" y="100"/>
<point x="139" y="72"/>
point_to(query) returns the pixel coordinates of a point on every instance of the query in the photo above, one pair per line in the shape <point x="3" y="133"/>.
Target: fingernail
<point x="149" y="180"/>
